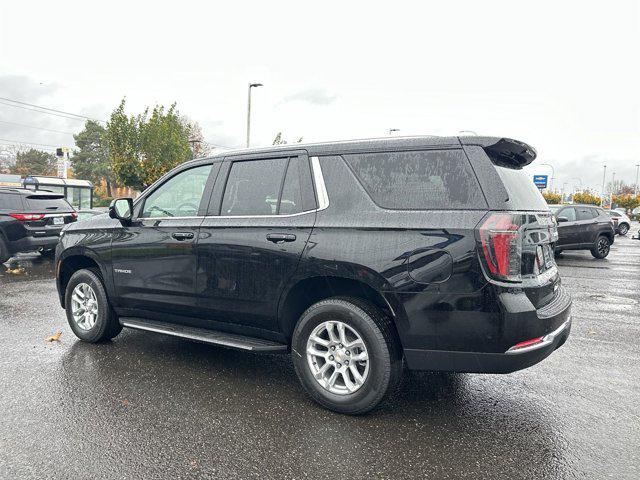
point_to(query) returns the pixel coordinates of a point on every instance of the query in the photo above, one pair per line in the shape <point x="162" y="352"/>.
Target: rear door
<point x="154" y="258"/>
<point x="260" y="218"/>
<point x="44" y="214"/>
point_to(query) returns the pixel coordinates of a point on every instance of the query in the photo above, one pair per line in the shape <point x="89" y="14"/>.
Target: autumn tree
<point x="586" y="198"/>
<point x="34" y="162"/>
<point x="552" y="198"/>
<point x="144" y="147"/>
<point x="627" y="201"/>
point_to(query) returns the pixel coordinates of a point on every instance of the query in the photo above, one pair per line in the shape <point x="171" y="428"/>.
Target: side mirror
<point x="562" y="219"/>
<point x="122" y="209"/>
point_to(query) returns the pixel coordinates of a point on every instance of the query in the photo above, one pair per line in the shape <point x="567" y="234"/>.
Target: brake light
<point x="74" y="214"/>
<point x="27" y="217"/>
<point x="501" y="245"/>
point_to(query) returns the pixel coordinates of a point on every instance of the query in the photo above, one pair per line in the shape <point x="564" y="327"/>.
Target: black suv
<point x="584" y="227"/>
<point x="31" y="221"/>
<point x="353" y="256"/>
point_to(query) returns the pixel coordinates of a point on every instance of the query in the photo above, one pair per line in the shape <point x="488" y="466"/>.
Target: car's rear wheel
<point x="347" y="355"/>
<point x="623" y="229"/>
<point x="88" y="311"/>
<point x="4" y="251"/>
<point x="602" y="247"/>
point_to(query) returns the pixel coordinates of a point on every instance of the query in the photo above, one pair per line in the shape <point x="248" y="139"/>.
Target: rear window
<point x="49" y="203"/>
<point x="523" y="194"/>
<point x="10" y="202"/>
<point x="440" y="180"/>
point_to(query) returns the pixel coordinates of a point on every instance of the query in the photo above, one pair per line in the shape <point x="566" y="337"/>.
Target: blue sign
<point x="540" y="181"/>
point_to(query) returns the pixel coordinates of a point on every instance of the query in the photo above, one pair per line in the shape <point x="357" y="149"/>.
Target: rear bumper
<point x="474" y="362"/>
<point x="550" y="324"/>
<point x="30" y="244"/>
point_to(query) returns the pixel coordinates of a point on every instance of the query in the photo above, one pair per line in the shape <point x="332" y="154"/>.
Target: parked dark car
<point x="31" y="221"/>
<point x="353" y="256"/>
<point x="583" y="227"/>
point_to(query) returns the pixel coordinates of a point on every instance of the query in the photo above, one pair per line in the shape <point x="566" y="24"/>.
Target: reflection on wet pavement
<point x="151" y="406"/>
<point x="27" y="266"/>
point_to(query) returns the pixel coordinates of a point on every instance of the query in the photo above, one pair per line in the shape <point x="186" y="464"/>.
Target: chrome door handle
<point x="182" y="235"/>
<point x="281" y="237"/>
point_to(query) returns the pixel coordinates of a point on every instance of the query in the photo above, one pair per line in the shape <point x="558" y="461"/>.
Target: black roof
<point x="504" y="149"/>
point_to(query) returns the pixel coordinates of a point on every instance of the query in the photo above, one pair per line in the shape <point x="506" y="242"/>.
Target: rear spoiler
<point x="503" y="151"/>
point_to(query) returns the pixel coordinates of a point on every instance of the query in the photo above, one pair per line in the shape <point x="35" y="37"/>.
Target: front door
<point x="154" y="258"/>
<point x="251" y="244"/>
<point x="567" y="230"/>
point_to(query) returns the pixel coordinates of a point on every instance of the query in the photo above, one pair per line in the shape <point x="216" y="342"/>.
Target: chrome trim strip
<point x="321" y="189"/>
<point x="546" y="340"/>
<point x="321" y="192"/>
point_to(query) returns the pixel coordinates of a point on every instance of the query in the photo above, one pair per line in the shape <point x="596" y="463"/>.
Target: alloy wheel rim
<point x="623" y="230"/>
<point x="603" y="246"/>
<point x="338" y="357"/>
<point x="84" y="306"/>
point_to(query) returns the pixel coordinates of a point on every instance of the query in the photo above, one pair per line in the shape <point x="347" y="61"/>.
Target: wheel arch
<point x="71" y="262"/>
<point x="307" y="291"/>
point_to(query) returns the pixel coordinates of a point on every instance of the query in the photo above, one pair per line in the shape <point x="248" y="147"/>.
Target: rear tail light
<point x="27" y="217"/>
<point x="74" y="214"/>
<point x="501" y="245"/>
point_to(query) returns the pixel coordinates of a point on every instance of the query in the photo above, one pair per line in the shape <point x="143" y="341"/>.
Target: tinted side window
<point x="291" y="200"/>
<point x="585" y="213"/>
<point x="418" y="180"/>
<point x="10" y="202"/>
<point x="180" y="196"/>
<point x="253" y="187"/>
<point x="568" y="213"/>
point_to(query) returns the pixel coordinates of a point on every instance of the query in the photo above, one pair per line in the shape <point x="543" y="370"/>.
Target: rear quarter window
<point x="419" y="180"/>
<point x="10" y="202"/>
<point x="523" y="194"/>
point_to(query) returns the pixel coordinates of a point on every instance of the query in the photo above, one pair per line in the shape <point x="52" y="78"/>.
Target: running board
<point x="230" y="340"/>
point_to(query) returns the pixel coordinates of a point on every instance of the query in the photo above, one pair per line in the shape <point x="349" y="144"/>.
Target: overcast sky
<point x="560" y="75"/>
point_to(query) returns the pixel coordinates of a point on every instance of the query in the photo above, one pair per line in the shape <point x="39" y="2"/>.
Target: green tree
<point x="144" y="147"/>
<point x="280" y="140"/>
<point x="91" y="160"/>
<point x="34" y="162"/>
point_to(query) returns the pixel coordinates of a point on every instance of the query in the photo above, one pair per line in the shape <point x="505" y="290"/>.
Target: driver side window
<point x="179" y="196"/>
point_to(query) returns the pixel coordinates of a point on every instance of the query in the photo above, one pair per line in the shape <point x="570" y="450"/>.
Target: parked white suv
<point x="621" y="222"/>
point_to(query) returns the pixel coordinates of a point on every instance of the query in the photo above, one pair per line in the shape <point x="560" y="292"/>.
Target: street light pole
<point x="635" y="191"/>
<point x="604" y="176"/>
<point x="553" y="174"/>
<point x="251" y="85"/>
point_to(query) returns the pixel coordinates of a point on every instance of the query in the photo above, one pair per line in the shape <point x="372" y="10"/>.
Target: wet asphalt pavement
<point x="152" y="406"/>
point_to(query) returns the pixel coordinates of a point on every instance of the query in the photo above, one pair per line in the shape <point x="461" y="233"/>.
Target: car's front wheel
<point x="623" y="229"/>
<point x="347" y="355"/>
<point x="88" y="311"/>
<point x="602" y="247"/>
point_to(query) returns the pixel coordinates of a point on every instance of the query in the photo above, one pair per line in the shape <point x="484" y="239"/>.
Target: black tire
<point x="48" y="253"/>
<point x="4" y="251"/>
<point x="602" y="247"/>
<point x="383" y="347"/>
<point x="106" y="325"/>
<point x="623" y="229"/>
